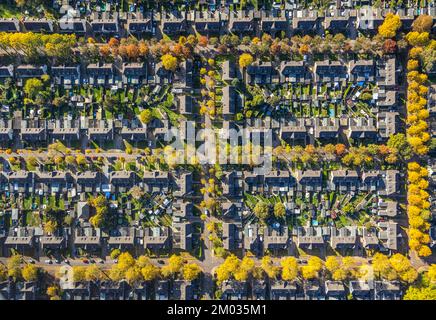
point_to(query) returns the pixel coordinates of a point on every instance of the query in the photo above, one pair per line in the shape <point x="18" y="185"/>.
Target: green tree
<point x="146" y="116"/>
<point x="279" y="210"/>
<point x="261" y="210"/>
<point x="33" y="87"/>
<point x="399" y="142"/>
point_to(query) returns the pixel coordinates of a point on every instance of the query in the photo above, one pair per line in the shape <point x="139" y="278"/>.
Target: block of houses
<point x="184" y="290"/>
<point x="387" y="124"/>
<point x="294" y="72"/>
<point x="283" y="290"/>
<point x="105" y="23"/>
<point x="388" y="235"/>
<point x="274" y="22"/>
<point x="134" y="73"/>
<point x="157" y="238"/>
<point x="360" y="290"/>
<point x="262" y="73"/>
<point x="310" y="238"/>
<point x="277" y="238"/>
<point x="259" y="289"/>
<point x="343" y="238"/>
<point x="362" y="128"/>
<point x="162" y="290"/>
<point x="9" y="25"/>
<point x="38" y="25"/>
<point x="241" y="22"/>
<point x="207" y="22"/>
<point x="173" y="23"/>
<point x="139" y="23"/>
<point x="73" y="25"/>
<point x="182" y="236"/>
<point x="344" y="180"/>
<point x="338" y="20"/>
<point x="232" y="236"/>
<point x="310" y="180"/>
<point x="100" y="74"/>
<point x="66" y="76"/>
<point x="305" y="21"/>
<point x="329" y="71"/>
<point x="335" y="290"/>
<point x="387" y="290"/>
<point x="231" y="101"/>
<point x="326" y="128"/>
<point x="361" y="70"/>
<point x="252" y="239"/>
<point x="234" y="290"/>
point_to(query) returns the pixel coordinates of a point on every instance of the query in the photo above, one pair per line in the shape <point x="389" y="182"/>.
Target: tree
<point x="146" y="116"/>
<point x="169" y="62"/>
<point x="14" y="266"/>
<point x="79" y="273"/>
<point x="269" y="268"/>
<point x="191" y="271"/>
<point x="81" y="160"/>
<point x="423" y="23"/>
<point x="340" y="149"/>
<point x="279" y="210"/>
<point x="426" y="293"/>
<point x="431" y="273"/>
<point x="202" y="41"/>
<point x="289" y="268"/>
<point x="30" y="272"/>
<point x="133" y="275"/>
<point x="53" y="291"/>
<point x="93" y="273"/>
<point x="116" y="273"/>
<point x="227" y="268"/>
<point x="149" y="272"/>
<point x="332" y="264"/>
<point x="175" y="264"/>
<point x="50" y="226"/>
<point x="382" y="267"/>
<point x="390" y="26"/>
<point x="261" y="210"/>
<point x="115" y="253"/>
<point x="399" y="142"/>
<point x="33" y="87"/>
<point x="389" y="46"/>
<point x="3" y="272"/>
<point x="245" y="60"/>
<point x="312" y="269"/>
<point x="125" y="261"/>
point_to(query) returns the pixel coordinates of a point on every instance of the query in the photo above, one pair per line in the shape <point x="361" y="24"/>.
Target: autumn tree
<point x="175" y="264"/>
<point x="312" y="269"/>
<point x="146" y="116"/>
<point x="14" y="266"/>
<point x="169" y="62"/>
<point x="191" y="271"/>
<point x="268" y="266"/>
<point x="227" y="268"/>
<point x="30" y="272"/>
<point x="79" y="273"/>
<point x="279" y="210"/>
<point x="93" y="273"/>
<point x="261" y="210"/>
<point x="423" y="23"/>
<point x="245" y="60"/>
<point x="289" y="268"/>
<point x="390" y="26"/>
